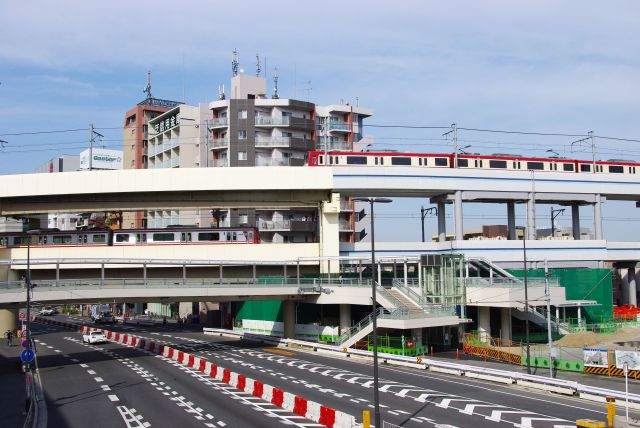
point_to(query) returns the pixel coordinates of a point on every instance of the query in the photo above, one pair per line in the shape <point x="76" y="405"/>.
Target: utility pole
<point x="454" y="136"/>
<point x="547" y="292"/>
<point x="423" y="213"/>
<point x="593" y="150"/>
<point x="92" y="137"/>
<point x="554" y="214"/>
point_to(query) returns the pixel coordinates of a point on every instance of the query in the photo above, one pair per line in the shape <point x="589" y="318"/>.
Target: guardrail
<point x="303" y="283"/>
<point x="37" y="411"/>
<point x="559" y="386"/>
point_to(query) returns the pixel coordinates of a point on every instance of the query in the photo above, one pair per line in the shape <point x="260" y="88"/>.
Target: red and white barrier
<point x="298" y="405"/>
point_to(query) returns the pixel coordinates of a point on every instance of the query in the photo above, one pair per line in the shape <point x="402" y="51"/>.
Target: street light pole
<point x="376" y="397"/>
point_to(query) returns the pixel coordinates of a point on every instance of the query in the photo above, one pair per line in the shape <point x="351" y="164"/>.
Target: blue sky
<point x="545" y="66"/>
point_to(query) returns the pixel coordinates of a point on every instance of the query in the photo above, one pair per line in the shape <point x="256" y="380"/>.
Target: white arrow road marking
<point x="468" y="409"/>
<point x="497" y="414"/>
<point x="445" y="402"/>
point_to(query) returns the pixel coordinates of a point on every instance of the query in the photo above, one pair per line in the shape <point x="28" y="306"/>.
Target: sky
<point x="537" y="66"/>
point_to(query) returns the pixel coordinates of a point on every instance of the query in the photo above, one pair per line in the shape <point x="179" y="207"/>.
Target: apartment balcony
<point x="332" y="145"/>
<point x="346" y="205"/>
<point x="346" y="226"/>
<point x="219" y="122"/>
<point x="288" y="121"/>
<point x="287" y="226"/>
<point x="279" y="162"/>
<point x="290" y="142"/>
<point x="220" y="162"/>
<point x="219" y="143"/>
<point x="339" y="126"/>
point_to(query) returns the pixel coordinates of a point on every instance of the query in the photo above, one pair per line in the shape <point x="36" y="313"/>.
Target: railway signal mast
<point x="454" y="136"/>
<point x="592" y="142"/>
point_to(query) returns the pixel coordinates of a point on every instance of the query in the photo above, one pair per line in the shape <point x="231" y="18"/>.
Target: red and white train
<point x="471" y="161"/>
<point x="98" y="237"/>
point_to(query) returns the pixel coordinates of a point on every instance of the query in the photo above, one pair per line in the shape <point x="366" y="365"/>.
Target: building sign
<point x="155" y="102"/>
<point x="167" y="123"/>
<point x="101" y="159"/>
<point x="632" y="358"/>
<point x="595" y="357"/>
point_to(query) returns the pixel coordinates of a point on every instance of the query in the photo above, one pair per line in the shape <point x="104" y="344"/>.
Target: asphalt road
<point x="108" y="385"/>
<point x="409" y="397"/>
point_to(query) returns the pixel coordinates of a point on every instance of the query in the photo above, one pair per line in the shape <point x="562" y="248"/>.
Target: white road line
<point x="113" y="397"/>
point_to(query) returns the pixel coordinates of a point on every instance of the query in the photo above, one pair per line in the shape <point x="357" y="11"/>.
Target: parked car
<point x="94" y="337"/>
<point x="105" y="317"/>
<point x="48" y="311"/>
<point x="143" y="320"/>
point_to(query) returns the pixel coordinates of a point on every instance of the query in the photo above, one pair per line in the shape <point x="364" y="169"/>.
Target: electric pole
<point x="454" y="136"/>
<point x="92" y="137"/>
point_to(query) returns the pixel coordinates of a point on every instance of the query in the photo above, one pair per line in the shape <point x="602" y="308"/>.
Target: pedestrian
<point x="9" y="335"/>
<point x="164" y="321"/>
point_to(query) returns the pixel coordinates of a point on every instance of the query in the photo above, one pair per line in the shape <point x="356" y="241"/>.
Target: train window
<point x="208" y="236"/>
<point x="122" y="237"/>
<point x="419" y="161"/>
<point x="519" y="166"/>
<point x="599" y="168"/>
<point x="163" y="237"/>
<point x="185" y="236"/>
<point x="463" y="163"/>
<point x="381" y="160"/>
<point x="320" y="160"/>
<point x="616" y="169"/>
<point x="442" y="161"/>
<point x="497" y="164"/>
<point x="99" y="238"/>
<point x="42" y="240"/>
<point x="3" y="241"/>
<point x="62" y="239"/>
<point x="554" y="166"/>
<point x="356" y="160"/>
<point x="514" y="164"/>
<point x="585" y="168"/>
<point x="250" y="236"/>
<point x="535" y="165"/>
<point x="376" y="159"/>
<point x="400" y="161"/>
<point x="567" y="167"/>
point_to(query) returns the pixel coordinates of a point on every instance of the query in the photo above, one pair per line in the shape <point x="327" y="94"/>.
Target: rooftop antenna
<point x="221" y="92"/>
<point x="275" y="84"/>
<point x="258" y="69"/>
<point x="235" y="63"/>
<point x="308" y="89"/>
<point x="147" y="87"/>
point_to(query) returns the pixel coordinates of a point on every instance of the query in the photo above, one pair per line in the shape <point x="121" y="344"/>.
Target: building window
<point x="242" y="114"/>
<point x="286" y="114"/>
<point x="242" y="156"/>
<point x="242" y="135"/>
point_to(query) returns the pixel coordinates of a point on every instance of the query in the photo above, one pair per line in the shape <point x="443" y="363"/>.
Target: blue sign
<point x="27" y="355"/>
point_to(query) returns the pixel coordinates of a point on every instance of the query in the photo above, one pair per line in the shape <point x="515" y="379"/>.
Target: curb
<point x="298" y="405"/>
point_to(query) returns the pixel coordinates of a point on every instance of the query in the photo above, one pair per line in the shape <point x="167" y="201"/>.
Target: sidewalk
<point x="12" y="385"/>
<point x="600" y="381"/>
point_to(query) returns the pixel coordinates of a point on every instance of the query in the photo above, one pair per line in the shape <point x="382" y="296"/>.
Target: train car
<point x="497" y="161"/>
<point x="431" y="160"/>
<point x="182" y="235"/>
<point x="177" y="235"/>
<point x="55" y="237"/>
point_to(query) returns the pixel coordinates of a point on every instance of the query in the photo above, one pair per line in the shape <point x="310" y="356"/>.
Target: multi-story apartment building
<point x="135" y="144"/>
<point x="247" y="129"/>
<point x="252" y="130"/>
<point x="177" y="140"/>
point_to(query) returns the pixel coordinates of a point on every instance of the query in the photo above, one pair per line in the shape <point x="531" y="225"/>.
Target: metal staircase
<point x="398" y="303"/>
<point x="538" y="315"/>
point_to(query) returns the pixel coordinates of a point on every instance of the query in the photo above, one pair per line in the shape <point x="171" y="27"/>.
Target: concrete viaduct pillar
<point x="457" y="209"/>
<point x="632" y="293"/>
<point x="484" y="323"/>
<point x="575" y="220"/>
<point x="8" y="320"/>
<point x="597" y="217"/>
<point x="531" y="217"/>
<point x="289" y="318"/>
<point x="442" y="221"/>
<point x="345" y="317"/>
<point x="329" y="231"/>
<point x="511" y="220"/>
<point x="505" y="324"/>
